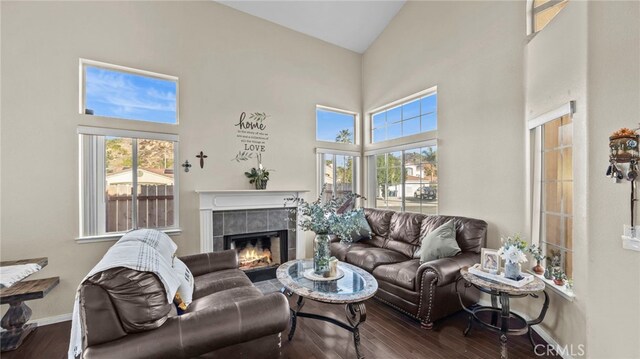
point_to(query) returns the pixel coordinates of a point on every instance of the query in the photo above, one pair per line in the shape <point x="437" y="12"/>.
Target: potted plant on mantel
<point x="536" y="252"/>
<point x="258" y="176"/>
<point x="327" y="218"/>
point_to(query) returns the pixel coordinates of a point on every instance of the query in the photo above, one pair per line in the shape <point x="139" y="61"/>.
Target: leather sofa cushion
<point x="402" y="274"/>
<point x="471" y="233"/>
<point x="369" y="258"/>
<point x="375" y="241"/>
<point x="218" y="281"/>
<point x="339" y="249"/>
<point x="138" y="297"/>
<point x="379" y="220"/>
<point x="224" y="297"/>
<point x="405" y="227"/>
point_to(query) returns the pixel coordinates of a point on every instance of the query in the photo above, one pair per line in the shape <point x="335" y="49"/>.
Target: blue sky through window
<point x="330" y="123"/>
<point x="408" y="119"/>
<point x="125" y="95"/>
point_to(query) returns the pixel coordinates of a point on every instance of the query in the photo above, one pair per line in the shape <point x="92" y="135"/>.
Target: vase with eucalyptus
<point x="327" y="218"/>
<point x="512" y="251"/>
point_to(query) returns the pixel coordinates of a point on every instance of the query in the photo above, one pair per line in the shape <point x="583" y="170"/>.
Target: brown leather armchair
<point x="425" y="291"/>
<point x="125" y="314"/>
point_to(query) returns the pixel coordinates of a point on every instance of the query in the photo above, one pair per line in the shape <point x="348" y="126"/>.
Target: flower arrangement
<point x="258" y="176"/>
<point x="329" y="217"/>
<point x="513" y="248"/>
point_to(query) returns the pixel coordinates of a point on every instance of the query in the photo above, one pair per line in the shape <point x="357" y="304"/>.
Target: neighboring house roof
<point x="144" y="177"/>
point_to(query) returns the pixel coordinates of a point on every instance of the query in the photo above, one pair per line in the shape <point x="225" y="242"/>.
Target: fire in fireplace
<point x="259" y="254"/>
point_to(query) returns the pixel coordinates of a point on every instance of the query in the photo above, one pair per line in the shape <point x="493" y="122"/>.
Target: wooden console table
<point x="14" y="321"/>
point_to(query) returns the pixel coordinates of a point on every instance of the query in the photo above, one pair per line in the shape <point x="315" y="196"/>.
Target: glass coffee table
<point x="352" y="289"/>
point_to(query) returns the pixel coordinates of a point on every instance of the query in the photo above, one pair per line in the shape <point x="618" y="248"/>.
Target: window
<point x="402" y="175"/>
<point x="415" y="116"/>
<point x="407" y="180"/>
<point x="121" y="92"/>
<point x="337" y="173"/>
<point x="334" y="125"/>
<point x="128" y="181"/>
<point x="543" y="11"/>
<point x="553" y="186"/>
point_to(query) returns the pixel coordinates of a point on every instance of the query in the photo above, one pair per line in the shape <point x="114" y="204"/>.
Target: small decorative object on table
<point x="490" y="260"/>
<point x="512" y="251"/>
<point x="326" y="218"/>
<point x="536" y="252"/>
<point x="258" y="176"/>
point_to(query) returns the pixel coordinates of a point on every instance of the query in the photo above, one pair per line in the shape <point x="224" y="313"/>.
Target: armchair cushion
<point x="369" y="258"/>
<point x="210" y="262"/>
<point x="218" y="281"/>
<point x="402" y="274"/>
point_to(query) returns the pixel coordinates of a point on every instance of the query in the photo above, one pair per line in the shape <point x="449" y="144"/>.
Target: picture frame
<point x="490" y="260"/>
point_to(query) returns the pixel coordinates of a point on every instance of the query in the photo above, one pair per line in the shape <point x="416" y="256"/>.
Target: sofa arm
<point x="202" y="331"/>
<point x="448" y="269"/>
<point x="204" y="263"/>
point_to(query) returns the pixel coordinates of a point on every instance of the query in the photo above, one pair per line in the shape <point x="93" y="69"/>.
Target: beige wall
<point x="613" y="316"/>
<point x="556" y="73"/>
<point x="227" y="62"/>
<point x="473" y="52"/>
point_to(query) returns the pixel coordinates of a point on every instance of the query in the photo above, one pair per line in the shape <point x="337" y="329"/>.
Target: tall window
<point x="334" y="125"/>
<point x="338" y="173"/>
<point x="127" y="181"/>
<point x="116" y="91"/>
<point x="338" y="159"/>
<point x="543" y="11"/>
<point x="407" y="180"/>
<point x="410" y="118"/>
<point x="553" y="189"/>
<point x="402" y="161"/>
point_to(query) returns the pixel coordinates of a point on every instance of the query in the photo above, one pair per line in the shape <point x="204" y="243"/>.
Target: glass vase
<point x="512" y="270"/>
<point x="321" y="254"/>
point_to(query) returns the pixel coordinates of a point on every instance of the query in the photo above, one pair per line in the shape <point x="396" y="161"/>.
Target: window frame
<point x="97" y="174"/>
<point x="532" y="11"/>
<point x="426" y="135"/>
<point x="83" y="63"/>
<point x="321" y="152"/>
<point x="356" y="128"/>
<point x="372" y="174"/>
<point x="536" y="197"/>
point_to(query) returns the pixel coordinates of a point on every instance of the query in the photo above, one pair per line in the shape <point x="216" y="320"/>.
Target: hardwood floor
<point x="387" y="334"/>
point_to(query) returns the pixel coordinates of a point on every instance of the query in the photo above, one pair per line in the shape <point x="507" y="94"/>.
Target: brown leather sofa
<point x="125" y="314"/>
<point x="423" y="291"/>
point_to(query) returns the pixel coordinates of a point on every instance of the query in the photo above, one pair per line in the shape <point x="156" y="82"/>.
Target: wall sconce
<point x="623" y="147"/>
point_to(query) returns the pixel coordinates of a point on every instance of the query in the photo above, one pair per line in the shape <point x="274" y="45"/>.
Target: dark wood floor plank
<point x="387" y="334"/>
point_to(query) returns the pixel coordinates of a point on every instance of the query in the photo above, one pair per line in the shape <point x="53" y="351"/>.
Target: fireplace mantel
<point x="232" y="200"/>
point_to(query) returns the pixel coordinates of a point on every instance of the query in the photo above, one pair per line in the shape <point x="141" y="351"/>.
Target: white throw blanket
<point x="10" y="275"/>
<point x="144" y="250"/>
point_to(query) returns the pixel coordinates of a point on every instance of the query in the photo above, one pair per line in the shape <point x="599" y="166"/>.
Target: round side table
<point x="502" y="292"/>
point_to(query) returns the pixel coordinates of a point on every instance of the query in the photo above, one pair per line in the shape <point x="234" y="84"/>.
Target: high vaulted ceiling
<point x="353" y="25"/>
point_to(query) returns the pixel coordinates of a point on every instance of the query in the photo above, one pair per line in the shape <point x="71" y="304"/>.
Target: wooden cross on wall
<point x="202" y="156"/>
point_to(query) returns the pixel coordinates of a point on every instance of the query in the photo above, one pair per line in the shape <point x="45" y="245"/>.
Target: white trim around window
<point x="92" y="181"/>
<point x="320" y="166"/>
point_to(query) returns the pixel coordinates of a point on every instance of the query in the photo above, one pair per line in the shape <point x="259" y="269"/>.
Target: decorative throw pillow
<point x="440" y="243"/>
<point x="364" y="229"/>
<point x="184" y="296"/>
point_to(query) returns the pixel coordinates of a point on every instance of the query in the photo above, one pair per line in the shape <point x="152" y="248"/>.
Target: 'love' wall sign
<point x="252" y="134"/>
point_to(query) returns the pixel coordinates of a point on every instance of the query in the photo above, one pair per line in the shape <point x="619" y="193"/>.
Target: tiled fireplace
<point x="255" y="223"/>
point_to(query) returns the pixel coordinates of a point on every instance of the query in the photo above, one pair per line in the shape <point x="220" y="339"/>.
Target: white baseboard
<point x="536" y="328"/>
<point x="52" y="320"/>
